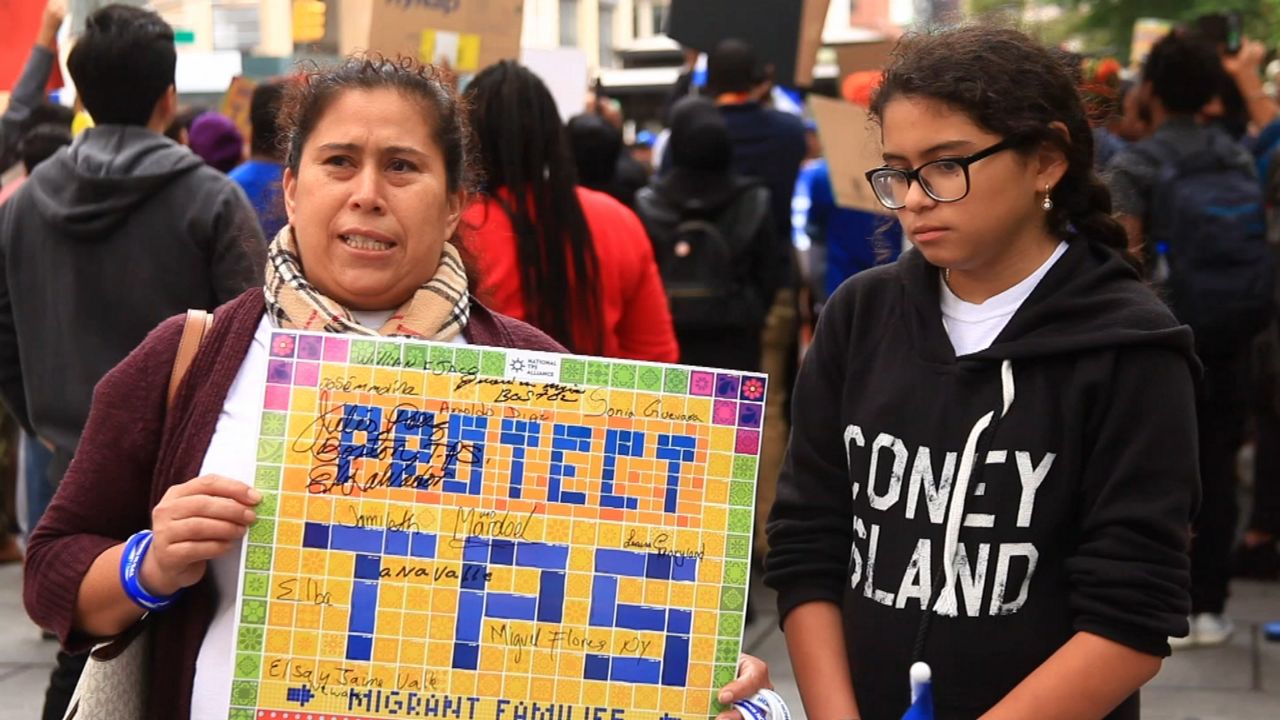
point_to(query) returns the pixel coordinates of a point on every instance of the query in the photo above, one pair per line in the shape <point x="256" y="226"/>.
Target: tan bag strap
<point x="117" y="661"/>
<point x="193" y="331"/>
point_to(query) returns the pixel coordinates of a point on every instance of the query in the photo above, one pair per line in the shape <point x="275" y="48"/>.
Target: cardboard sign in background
<point x="863" y="56"/>
<point x="236" y="104"/>
<point x="784" y="33"/>
<point x="851" y="145"/>
<point x="470" y="34"/>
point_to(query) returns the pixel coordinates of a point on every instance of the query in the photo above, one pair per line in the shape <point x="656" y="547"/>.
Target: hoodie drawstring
<point x="971" y="461"/>
<point x="1007" y="389"/>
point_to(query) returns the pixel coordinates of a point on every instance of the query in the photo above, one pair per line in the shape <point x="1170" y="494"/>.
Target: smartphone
<point x="1235" y="32"/>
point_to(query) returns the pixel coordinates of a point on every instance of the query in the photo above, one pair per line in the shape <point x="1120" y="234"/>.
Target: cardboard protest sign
<point x="785" y="33"/>
<point x="236" y="103"/>
<point x="813" y="16"/>
<point x="851" y="145"/>
<point x="856" y="57"/>
<point x="477" y="533"/>
<point x="468" y="34"/>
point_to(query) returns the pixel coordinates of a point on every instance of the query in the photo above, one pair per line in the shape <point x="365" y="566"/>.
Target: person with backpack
<point x="1191" y="204"/>
<point x="714" y="239"/>
<point x="1257" y="556"/>
<point x="992" y="464"/>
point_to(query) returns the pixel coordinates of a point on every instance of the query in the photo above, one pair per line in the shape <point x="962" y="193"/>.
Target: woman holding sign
<point x="377" y="177"/>
<point x="993" y="463"/>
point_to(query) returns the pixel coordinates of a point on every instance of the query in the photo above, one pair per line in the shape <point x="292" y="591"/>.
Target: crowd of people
<point x="1189" y="181"/>
<point x="1057" y="334"/>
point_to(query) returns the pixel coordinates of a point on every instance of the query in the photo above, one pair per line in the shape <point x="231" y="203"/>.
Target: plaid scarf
<point x="437" y="311"/>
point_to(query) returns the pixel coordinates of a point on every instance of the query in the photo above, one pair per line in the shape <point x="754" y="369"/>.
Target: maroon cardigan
<point x="105" y="496"/>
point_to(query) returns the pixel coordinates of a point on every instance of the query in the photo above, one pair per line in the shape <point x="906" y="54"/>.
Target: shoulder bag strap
<point x="193" y="331"/>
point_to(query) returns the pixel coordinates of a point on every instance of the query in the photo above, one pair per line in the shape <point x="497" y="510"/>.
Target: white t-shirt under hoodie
<point x="973" y="327"/>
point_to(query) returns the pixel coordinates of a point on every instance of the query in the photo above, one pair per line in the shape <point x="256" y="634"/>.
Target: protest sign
<point x="473" y="533"/>
<point x="469" y="34"/>
<point x="856" y="57"/>
<point x="237" y="102"/>
<point x="785" y="33"/>
<point x="851" y="145"/>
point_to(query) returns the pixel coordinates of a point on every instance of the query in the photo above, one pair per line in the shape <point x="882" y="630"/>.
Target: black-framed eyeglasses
<point x="945" y="179"/>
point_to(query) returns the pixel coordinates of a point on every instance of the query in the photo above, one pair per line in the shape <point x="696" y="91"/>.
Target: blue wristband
<point x="135" y="549"/>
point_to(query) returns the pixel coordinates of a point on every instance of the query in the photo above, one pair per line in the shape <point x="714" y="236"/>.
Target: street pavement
<point x="1239" y="681"/>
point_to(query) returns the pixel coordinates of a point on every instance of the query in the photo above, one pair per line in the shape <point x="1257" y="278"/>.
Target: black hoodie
<point x="107" y="238"/>
<point x="1057" y="469"/>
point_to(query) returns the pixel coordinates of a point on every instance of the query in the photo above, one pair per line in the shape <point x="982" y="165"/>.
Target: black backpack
<point x="703" y="255"/>
<point x="1208" y="219"/>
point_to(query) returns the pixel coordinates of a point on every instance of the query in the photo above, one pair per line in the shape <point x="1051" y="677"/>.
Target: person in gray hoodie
<point x="108" y="238"/>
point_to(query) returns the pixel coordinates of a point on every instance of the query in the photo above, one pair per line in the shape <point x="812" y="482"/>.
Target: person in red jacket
<point x="572" y="262"/>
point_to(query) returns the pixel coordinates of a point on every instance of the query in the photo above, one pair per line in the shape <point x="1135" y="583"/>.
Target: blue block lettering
<point x="361" y="436"/>
<point x="506" y="606"/>
<point x="675" y="661"/>
<point x="566" y="438"/>
<point x="596" y="667"/>
<point x="476" y="602"/>
<point x="315" y="535"/>
<point x="519" y="434"/>
<point x="416" y="428"/>
<point x="636" y="617"/>
<point x="675" y="449"/>
<point x="466" y="442"/>
<point x="624" y="443"/>
<point x="551" y="597"/>
<point x="368" y="567"/>
<point x="364" y="607"/>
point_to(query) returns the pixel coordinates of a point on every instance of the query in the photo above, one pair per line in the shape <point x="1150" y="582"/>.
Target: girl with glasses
<point x="993" y="464"/>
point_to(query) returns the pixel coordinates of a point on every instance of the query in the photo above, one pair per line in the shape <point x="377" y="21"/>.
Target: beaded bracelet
<point x="131" y="567"/>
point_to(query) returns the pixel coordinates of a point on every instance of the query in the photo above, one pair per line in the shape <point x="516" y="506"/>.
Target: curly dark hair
<point x="306" y="100"/>
<point x="1012" y="86"/>
<point x="1184" y="71"/>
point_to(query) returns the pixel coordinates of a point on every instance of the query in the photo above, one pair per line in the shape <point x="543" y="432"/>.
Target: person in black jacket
<point x="602" y="165"/>
<point x="993" y="463"/>
<point x="713" y="237"/>
<point x="106" y="239"/>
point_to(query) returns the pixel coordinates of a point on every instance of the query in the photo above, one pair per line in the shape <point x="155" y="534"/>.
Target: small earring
<point x="1048" y="201"/>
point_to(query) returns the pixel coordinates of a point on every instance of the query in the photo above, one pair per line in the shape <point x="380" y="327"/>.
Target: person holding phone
<point x="1242" y="107"/>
